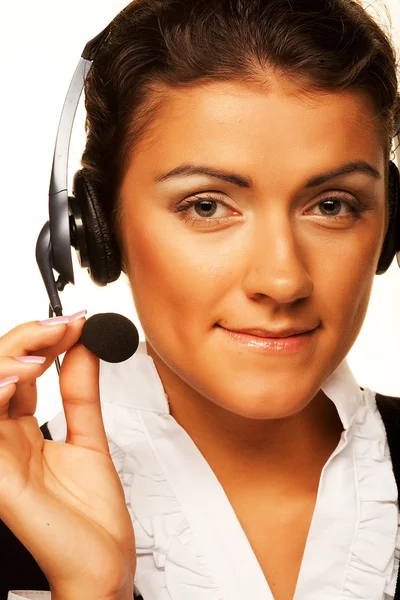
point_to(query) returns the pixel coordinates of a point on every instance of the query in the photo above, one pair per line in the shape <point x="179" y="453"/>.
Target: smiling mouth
<point x="283" y="342"/>
<point x="270" y="334"/>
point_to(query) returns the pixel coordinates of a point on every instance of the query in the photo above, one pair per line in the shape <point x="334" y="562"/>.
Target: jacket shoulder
<point x="389" y="408"/>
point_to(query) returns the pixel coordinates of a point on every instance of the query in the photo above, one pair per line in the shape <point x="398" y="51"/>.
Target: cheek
<point x="343" y="286"/>
<point x="174" y="278"/>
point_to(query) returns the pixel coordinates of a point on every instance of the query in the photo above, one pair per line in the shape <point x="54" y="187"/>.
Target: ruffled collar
<point x="342" y="388"/>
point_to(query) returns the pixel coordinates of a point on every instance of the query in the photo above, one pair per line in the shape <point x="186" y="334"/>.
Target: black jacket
<point x="20" y="571"/>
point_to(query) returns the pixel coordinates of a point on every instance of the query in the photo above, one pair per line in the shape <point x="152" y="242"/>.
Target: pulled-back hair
<point x="323" y="45"/>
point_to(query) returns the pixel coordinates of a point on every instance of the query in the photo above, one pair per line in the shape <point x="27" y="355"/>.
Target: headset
<point x="79" y="221"/>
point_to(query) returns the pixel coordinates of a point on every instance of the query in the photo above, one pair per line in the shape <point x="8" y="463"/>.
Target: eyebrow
<point x="188" y="169"/>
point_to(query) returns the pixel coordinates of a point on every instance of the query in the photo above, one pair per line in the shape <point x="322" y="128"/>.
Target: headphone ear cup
<point x="104" y="260"/>
<point x="391" y="244"/>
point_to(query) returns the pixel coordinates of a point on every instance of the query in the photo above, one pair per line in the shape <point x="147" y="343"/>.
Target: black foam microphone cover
<point x="110" y="336"/>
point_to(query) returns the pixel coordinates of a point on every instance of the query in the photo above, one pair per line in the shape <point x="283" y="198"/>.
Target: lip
<point x="277" y="334"/>
<point x="269" y="333"/>
<point x="273" y="342"/>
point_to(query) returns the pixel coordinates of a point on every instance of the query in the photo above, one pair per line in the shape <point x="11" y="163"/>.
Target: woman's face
<point x="251" y="209"/>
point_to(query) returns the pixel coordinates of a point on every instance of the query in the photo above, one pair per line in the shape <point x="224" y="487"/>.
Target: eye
<point x="337" y="207"/>
<point x="204" y="209"/>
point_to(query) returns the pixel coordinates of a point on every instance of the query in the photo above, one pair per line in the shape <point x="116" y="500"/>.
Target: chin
<point x="266" y="404"/>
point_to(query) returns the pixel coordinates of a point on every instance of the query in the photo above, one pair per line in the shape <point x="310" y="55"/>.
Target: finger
<point x="25" y="368"/>
<point x="27" y="373"/>
<point x="80" y="391"/>
<point x="50" y="341"/>
<point x="7" y="389"/>
<point x="26" y="338"/>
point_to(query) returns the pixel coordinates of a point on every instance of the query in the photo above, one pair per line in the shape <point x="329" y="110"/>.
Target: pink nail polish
<point x="77" y="315"/>
<point x="34" y="360"/>
<point x="8" y="380"/>
<point x="55" y="321"/>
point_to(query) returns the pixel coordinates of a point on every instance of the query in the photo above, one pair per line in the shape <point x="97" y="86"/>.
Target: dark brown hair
<point x="324" y="45"/>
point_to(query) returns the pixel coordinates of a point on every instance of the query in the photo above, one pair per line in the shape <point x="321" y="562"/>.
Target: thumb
<point x="80" y="392"/>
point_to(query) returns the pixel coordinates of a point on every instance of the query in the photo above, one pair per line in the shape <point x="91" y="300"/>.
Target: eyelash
<point x="184" y="208"/>
<point x="355" y="207"/>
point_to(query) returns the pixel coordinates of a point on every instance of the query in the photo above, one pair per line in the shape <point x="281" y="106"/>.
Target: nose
<point x="276" y="265"/>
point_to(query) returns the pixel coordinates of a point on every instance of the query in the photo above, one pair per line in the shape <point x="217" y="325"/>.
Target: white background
<point x="40" y="45"/>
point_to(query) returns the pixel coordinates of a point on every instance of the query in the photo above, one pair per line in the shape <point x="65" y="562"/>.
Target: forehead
<point x="259" y="129"/>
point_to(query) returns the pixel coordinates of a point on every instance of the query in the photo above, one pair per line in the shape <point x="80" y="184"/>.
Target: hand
<point x="64" y="501"/>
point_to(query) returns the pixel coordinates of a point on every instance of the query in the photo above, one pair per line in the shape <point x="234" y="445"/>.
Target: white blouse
<point x="190" y="545"/>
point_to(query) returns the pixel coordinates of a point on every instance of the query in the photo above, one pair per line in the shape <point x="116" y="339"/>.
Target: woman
<point x="240" y="150"/>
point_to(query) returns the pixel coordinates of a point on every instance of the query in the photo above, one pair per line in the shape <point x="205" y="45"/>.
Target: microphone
<point x="110" y="336"/>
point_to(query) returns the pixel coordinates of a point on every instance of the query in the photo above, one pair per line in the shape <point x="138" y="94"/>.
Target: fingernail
<point x="55" y="321"/>
<point x="4" y="382"/>
<point x="77" y="316"/>
<point x="36" y="360"/>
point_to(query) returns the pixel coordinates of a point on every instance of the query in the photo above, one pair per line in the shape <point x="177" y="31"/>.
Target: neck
<point x="286" y="455"/>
